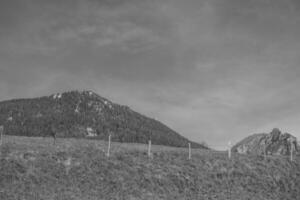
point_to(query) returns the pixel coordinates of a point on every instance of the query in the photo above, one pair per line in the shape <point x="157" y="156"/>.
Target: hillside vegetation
<point x="84" y="114"/>
<point x="77" y="169"/>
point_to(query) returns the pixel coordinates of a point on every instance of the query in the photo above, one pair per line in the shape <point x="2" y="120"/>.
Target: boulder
<point x="274" y="143"/>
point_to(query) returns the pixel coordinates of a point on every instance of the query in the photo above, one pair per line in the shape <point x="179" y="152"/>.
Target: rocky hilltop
<point x="84" y="114"/>
<point x="274" y="143"/>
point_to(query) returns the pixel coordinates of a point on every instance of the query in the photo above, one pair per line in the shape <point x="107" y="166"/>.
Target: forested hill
<point x="84" y="114"/>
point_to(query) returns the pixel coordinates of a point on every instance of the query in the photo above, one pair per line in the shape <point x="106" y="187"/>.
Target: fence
<point x="190" y="152"/>
<point x="229" y="151"/>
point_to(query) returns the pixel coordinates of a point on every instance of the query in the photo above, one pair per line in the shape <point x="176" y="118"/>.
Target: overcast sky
<point x="213" y="70"/>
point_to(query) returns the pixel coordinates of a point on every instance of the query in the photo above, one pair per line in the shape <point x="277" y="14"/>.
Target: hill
<point x="274" y="143"/>
<point x="84" y="114"/>
<point x="76" y="169"/>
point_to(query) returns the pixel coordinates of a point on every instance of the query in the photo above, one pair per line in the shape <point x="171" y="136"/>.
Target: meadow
<point x="33" y="168"/>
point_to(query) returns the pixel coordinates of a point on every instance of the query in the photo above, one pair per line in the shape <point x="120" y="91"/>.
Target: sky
<point x="214" y="71"/>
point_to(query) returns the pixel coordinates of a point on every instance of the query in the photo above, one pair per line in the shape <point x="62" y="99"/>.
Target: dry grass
<point x="33" y="168"/>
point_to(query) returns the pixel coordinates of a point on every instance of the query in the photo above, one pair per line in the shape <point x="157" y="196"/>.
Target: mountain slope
<point x="84" y="114"/>
<point x="275" y="143"/>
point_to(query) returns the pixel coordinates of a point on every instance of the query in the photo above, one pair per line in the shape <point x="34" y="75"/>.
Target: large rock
<point x="274" y="143"/>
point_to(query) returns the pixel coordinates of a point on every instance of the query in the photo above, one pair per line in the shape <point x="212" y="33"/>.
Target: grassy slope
<point x="32" y="168"/>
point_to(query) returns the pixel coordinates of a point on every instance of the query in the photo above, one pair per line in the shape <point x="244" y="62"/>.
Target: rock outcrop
<point x="274" y="143"/>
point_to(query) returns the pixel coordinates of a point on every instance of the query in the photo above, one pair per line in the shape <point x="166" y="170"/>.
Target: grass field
<point x="34" y="168"/>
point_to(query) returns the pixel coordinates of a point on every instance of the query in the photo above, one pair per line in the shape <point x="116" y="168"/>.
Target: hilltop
<point x="84" y="114"/>
<point x="76" y="169"/>
<point x="274" y="143"/>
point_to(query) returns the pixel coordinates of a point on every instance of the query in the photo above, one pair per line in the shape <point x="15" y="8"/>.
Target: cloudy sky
<point x="212" y="70"/>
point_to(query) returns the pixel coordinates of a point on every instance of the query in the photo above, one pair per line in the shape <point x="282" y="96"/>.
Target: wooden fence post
<point x="265" y="151"/>
<point x="292" y="148"/>
<point x="190" y="152"/>
<point x="108" y="148"/>
<point x="1" y="135"/>
<point x="229" y="150"/>
<point x="149" y="148"/>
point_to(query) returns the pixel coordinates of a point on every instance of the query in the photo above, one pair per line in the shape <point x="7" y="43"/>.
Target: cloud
<point x="62" y="26"/>
<point x="212" y="70"/>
